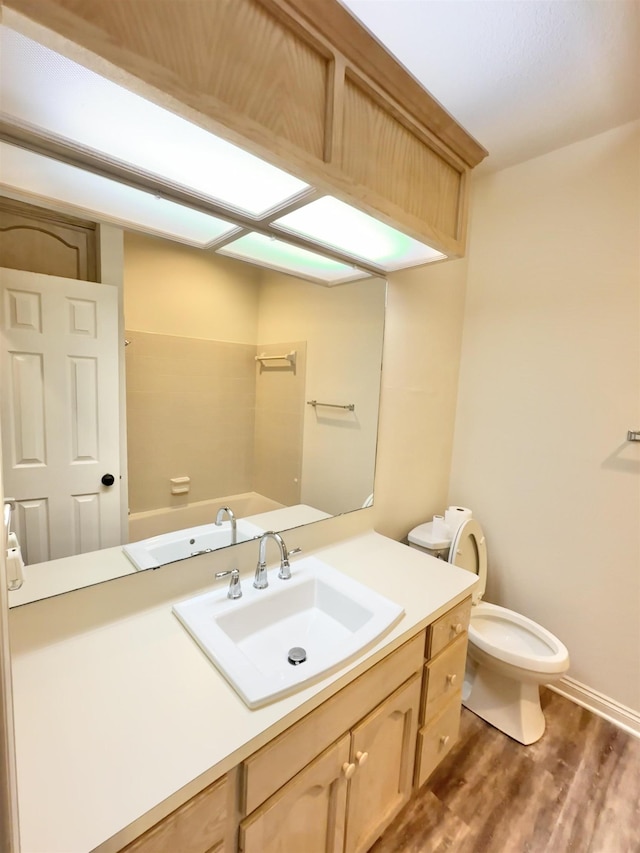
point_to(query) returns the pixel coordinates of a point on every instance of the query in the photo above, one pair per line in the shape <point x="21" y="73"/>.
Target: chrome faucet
<point x="261" y="581"/>
<point x="232" y="519"/>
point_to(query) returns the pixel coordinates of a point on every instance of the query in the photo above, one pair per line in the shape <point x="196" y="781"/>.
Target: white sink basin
<point x="180" y="544"/>
<point x="324" y="612"/>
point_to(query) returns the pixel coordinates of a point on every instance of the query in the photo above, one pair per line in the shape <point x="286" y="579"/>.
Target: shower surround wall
<point x="190" y="412"/>
<point x="207" y="410"/>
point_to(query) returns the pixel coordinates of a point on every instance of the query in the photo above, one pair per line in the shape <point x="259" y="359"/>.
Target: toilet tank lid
<point x="422" y="535"/>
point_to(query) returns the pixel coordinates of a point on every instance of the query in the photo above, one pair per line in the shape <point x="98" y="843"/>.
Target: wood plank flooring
<point x="577" y="790"/>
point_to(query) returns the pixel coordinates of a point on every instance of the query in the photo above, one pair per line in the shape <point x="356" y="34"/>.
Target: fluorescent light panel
<point x="53" y="93"/>
<point x="106" y="200"/>
<point x="279" y="255"/>
<point x="334" y="224"/>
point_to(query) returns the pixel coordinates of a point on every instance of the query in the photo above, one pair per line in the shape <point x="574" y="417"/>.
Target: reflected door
<point x="60" y="413"/>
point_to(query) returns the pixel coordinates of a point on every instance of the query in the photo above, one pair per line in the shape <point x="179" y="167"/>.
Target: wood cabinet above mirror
<point x="299" y="83"/>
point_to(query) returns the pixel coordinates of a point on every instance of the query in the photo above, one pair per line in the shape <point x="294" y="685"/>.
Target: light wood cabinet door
<point x="383" y="749"/>
<point x="308" y="813"/>
<point x="199" y="826"/>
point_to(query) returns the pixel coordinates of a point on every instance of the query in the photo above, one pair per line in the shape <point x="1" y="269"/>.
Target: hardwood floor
<point x="577" y="790"/>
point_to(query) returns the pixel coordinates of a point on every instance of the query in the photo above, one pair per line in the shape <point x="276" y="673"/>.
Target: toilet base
<point x="510" y="705"/>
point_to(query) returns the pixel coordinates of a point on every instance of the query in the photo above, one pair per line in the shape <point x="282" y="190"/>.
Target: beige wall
<point x="423" y="331"/>
<point x="191" y="318"/>
<point x="172" y="289"/>
<point x="549" y="386"/>
<point x="343" y="329"/>
<point x="190" y="412"/>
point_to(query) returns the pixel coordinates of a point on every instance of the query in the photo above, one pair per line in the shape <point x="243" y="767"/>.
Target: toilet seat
<point x="517" y="640"/>
<point x="469" y="551"/>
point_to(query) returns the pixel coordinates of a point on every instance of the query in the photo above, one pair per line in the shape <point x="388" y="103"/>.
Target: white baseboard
<point x="621" y="716"/>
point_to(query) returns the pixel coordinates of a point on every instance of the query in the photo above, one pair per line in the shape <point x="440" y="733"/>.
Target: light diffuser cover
<point x="54" y="94"/>
<point x="106" y="200"/>
<point x="279" y="255"/>
<point x="337" y="225"/>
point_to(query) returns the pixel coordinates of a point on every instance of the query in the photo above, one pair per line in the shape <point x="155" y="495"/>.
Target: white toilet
<point x="509" y="656"/>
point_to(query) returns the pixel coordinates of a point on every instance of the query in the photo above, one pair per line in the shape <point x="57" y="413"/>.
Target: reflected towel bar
<point x="290" y="357"/>
<point x="350" y="406"/>
<point x="633" y="435"/>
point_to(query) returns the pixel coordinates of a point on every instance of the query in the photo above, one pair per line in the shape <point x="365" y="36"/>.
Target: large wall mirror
<point x="252" y="387"/>
<point x="238" y="387"/>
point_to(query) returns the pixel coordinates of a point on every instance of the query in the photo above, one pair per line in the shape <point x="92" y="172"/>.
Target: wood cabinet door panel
<point x="307" y="814"/>
<point x="382" y="783"/>
<point x="277" y="762"/>
<point x="199" y="826"/>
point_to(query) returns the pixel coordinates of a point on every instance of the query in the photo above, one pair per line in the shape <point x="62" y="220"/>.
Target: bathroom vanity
<point x="337" y="778"/>
<point x="128" y="738"/>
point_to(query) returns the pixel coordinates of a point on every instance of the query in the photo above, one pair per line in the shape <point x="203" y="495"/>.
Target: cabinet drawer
<point x="277" y="762"/>
<point x="444" y="675"/>
<point x="436" y="739"/>
<point x="447" y="628"/>
<point x="196" y="827"/>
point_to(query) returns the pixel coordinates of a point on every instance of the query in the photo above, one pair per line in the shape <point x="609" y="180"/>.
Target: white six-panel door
<point x="60" y="412"/>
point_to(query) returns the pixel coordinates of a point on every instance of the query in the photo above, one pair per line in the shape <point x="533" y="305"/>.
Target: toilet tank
<point x="422" y="539"/>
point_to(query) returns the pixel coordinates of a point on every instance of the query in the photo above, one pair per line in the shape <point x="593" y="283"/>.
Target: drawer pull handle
<point x="452" y="678"/>
<point x="348" y="770"/>
<point x="457" y="629"/>
<point x="361" y="758"/>
<point x="444" y="740"/>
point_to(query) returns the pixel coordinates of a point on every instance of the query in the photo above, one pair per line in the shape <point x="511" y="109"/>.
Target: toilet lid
<point x="469" y="551"/>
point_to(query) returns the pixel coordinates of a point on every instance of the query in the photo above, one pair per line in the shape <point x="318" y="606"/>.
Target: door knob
<point x="107" y="479"/>
<point x="361" y="758"/>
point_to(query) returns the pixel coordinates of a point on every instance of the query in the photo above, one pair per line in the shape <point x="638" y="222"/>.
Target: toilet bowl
<point x="509" y="656"/>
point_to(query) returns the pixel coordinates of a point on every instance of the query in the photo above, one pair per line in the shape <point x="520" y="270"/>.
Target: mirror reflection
<point x="239" y="387"/>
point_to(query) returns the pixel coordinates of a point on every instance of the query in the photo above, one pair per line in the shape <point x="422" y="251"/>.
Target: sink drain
<point x="297" y="655"/>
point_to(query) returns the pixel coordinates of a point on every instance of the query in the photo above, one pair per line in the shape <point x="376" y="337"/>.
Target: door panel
<point x="60" y="412"/>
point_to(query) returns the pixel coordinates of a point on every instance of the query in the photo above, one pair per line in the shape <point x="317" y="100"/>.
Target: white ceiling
<point x="522" y="76"/>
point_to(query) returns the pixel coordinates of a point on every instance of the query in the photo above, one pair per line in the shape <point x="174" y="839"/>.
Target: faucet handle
<point x="235" y="590"/>
<point x="285" y="569"/>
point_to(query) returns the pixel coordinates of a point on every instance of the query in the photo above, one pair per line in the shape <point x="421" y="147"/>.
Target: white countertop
<point x="43" y="580"/>
<point x="121" y="718"/>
